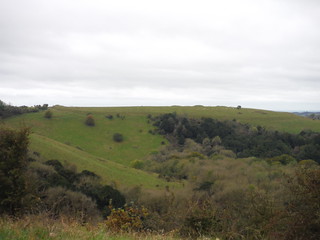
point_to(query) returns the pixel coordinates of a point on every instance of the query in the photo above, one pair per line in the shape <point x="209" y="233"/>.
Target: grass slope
<point x="67" y="126"/>
<point x="109" y="170"/>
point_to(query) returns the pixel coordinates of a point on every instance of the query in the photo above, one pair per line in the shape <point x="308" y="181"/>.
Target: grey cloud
<point x="256" y="53"/>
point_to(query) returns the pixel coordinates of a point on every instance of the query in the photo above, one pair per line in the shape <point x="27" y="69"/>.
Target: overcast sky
<point x="254" y="53"/>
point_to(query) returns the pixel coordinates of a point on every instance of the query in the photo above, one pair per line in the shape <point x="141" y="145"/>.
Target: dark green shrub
<point x="86" y="173"/>
<point x="103" y="196"/>
<point x="117" y="137"/>
<point x="48" y="114"/>
<point x="90" y="121"/>
<point x="137" y="164"/>
<point x="68" y="174"/>
<point x="55" y="163"/>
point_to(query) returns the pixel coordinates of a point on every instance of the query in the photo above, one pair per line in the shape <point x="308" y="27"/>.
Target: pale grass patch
<point x="41" y="227"/>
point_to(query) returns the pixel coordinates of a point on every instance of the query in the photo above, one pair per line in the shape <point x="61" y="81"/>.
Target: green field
<point x="65" y="136"/>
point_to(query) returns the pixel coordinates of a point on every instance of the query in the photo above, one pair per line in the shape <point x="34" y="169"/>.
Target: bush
<point x="137" y="164"/>
<point x="63" y="202"/>
<point x="117" y="137"/>
<point x="202" y="220"/>
<point x="127" y="219"/>
<point x="48" y="114"/>
<point x="90" y="121"/>
<point x="103" y="196"/>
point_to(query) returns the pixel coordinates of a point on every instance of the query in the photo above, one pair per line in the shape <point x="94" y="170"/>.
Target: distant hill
<point x="66" y="137"/>
<point x="312" y="115"/>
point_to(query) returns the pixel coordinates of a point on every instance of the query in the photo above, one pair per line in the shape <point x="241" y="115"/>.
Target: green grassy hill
<point x="111" y="172"/>
<point x="281" y="121"/>
<point x="65" y="136"/>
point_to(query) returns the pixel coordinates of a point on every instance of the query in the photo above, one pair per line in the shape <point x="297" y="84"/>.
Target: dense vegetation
<point x="233" y="180"/>
<point x="244" y="140"/>
<point x="28" y="185"/>
<point x="7" y="110"/>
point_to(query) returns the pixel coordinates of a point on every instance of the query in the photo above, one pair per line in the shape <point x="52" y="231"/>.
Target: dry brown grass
<point x="41" y="227"/>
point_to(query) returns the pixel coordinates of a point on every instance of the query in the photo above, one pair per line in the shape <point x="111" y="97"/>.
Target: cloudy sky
<point x="254" y="53"/>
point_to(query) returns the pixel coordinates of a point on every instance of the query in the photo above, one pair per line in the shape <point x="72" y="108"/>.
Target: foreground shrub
<point x="302" y="210"/>
<point x="13" y="163"/>
<point x="202" y="220"/>
<point x="129" y="218"/>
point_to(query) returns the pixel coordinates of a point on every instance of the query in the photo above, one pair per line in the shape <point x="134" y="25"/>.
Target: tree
<point x="90" y="121"/>
<point x="13" y="163"/>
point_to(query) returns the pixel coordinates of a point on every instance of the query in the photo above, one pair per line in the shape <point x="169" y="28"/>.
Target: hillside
<point x="112" y="172"/>
<point x="198" y="173"/>
<point x="281" y="121"/>
<point x="65" y="136"/>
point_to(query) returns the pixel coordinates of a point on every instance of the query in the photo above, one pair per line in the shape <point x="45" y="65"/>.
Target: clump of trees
<point x="243" y="139"/>
<point x="7" y="110"/>
<point x="230" y="198"/>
